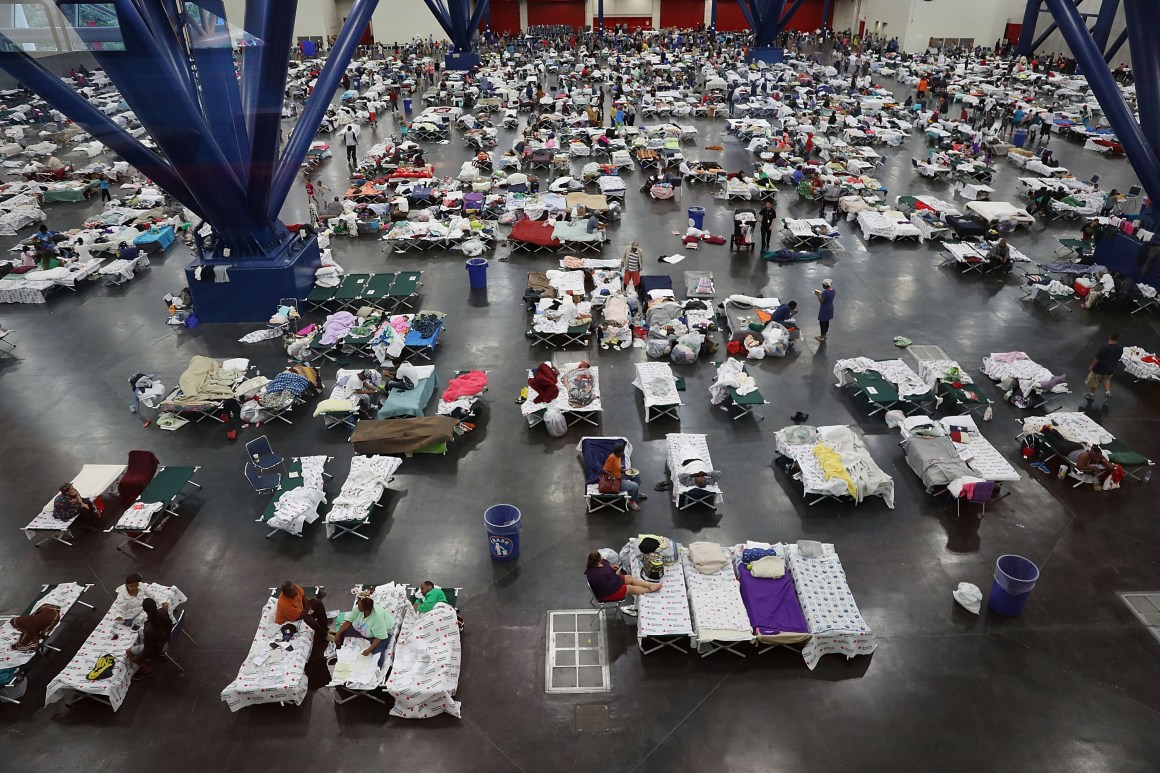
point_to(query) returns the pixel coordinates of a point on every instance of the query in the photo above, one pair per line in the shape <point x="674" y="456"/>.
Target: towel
<point x="708" y="557"/>
<point x="769" y="567"/>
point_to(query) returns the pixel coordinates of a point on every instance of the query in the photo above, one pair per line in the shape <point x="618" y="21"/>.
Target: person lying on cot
<point x="291" y="604"/>
<point x="609" y="583"/>
<point x="432" y="594"/>
<point x="35" y="627"/>
<point x="366" y="621"/>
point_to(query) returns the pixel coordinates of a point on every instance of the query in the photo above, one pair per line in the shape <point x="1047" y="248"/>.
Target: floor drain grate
<point x="577" y="653"/>
<point x="592" y="719"/>
<point x="1146" y="607"/>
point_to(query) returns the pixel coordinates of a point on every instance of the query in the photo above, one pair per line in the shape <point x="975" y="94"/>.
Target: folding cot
<point x="699" y="284"/>
<point x="15" y="664"/>
<point x="688" y="455"/>
<point x="1018" y="372"/>
<point x="1140" y="363"/>
<point x="746" y="398"/>
<point x="533" y="235"/>
<point x="274" y="670"/>
<point x="404" y="290"/>
<point x="663" y="618"/>
<point x="742" y="311"/>
<point x="420" y="345"/>
<point x="360" y="494"/>
<point x="551" y="329"/>
<point x="832" y="617"/>
<point x="995" y="212"/>
<point x="771" y="603"/>
<point x="350" y="291"/>
<point x="426" y="435"/>
<point x="156" y="505"/>
<point x="982" y="460"/>
<point x="411" y="402"/>
<point x="1073" y="431"/>
<point x="574" y="236"/>
<point x="580" y="403"/>
<point x="596" y="203"/>
<point x="339" y="410"/>
<point x="299" y="495"/>
<point x="953" y="386"/>
<point x="353" y="674"/>
<point x="425" y="675"/>
<point x="1054" y="293"/>
<point x="654" y="286"/>
<point x="594" y="452"/>
<point x="1076" y="249"/>
<point x="720" y="622"/>
<point x="887" y="225"/>
<point x="930" y="169"/>
<point x="287" y="390"/>
<point x="660" y="389"/>
<point x="91" y="482"/>
<point x="204" y="388"/>
<point x="612" y="186"/>
<point x="110" y="636"/>
<point x="886" y="384"/>
<point x="809" y="234"/>
<point x="832" y="462"/>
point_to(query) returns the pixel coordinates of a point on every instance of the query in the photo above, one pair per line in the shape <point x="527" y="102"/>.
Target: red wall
<point x="505" y="16"/>
<point x="730" y="18"/>
<point x="556" y="12"/>
<point x="683" y="13"/>
<point x="633" y="22"/>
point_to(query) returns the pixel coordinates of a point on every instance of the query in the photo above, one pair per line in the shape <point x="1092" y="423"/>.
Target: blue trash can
<point x="477" y="273"/>
<point x="503" y="532"/>
<point x="697" y="218"/>
<point x="407" y="105"/>
<point x="1015" y="576"/>
<point x="1019" y="138"/>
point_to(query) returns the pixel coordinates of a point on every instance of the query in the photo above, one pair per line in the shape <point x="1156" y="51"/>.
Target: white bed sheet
<point x="982" y="457"/>
<point x="666" y="612"/>
<point x="363" y="487"/>
<point x="835" y="624"/>
<point x="683" y="446"/>
<point x="356" y="671"/>
<point x="64" y="595"/>
<point x="534" y="411"/>
<point x="428" y="661"/>
<point x="267" y="676"/>
<point x="657" y="383"/>
<point x="715" y="606"/>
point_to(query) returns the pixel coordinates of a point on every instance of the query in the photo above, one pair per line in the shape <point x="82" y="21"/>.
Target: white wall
<point x="1056" y="44"/>
<point x="915" y="22"/>
<point x="397" y="21"/>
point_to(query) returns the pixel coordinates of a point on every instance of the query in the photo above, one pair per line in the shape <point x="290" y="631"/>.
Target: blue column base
<point x="462" y="60"/>
<point x="256" y="285"/>
<point x="1126" y="254"/>
<point x="768" y="55"/>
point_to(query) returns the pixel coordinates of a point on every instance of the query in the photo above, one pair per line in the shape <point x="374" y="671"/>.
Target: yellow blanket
<point x="832" y="467"/>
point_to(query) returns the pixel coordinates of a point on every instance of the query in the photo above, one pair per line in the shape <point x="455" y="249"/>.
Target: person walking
<point x="1102" y="367"/>
<point x="350" y="140"/>
<point x="767" y="216"/>
<point x="825" y="298"/>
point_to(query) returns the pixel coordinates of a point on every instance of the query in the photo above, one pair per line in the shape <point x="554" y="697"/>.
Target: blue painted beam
<point x="439" y="11"/>
<point x="713" y="14"/>
<point x="482" y="9"/>
<point x="1143" y="27"/>
<point x="1027" y="31"/>
<point x="600" y="14"/>
<point x="1116" y="45"/>
<point x="1139" y="150"/>
<point x="827" y="14"/>
<point x="328" y="80"/>
<point x="1103" y="26"/>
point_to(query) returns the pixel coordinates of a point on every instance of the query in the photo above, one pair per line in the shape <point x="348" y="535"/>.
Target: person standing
<point x="631" y="263"/>
<point x="105" y="195"/>
<point x="767" y="217"/>
<point x="1102" y="367"/>
<point x="825" y="298"/>
<point x="350" y="141"/>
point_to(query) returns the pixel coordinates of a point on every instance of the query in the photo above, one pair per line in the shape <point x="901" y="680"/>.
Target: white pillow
<point x="769" y="567"/>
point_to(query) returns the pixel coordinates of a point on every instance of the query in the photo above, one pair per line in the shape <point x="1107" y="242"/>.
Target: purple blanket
<point x="336" y="326"/>
<point x="772" y="604"/>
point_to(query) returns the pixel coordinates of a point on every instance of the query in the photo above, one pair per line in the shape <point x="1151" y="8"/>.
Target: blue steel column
<point x="1116" y="45"/>
<point x="1143" y="26"/>
<point x="1103" y="27"/>
<point x="1027" y="31"/>
<point x="1140" y="151"/>
<point x="713" y="15"/>
<point x="827" y="13"/>
<point x="600" y="15"/>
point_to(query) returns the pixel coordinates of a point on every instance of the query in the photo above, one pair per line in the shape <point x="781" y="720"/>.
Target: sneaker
<point x="1090" y="396"/>
<point x="630" y="610"/>
<point x="1107" y="397"/>
<point x="633" y="506"/>
<point x="1041" y="467"/>
<point x="820" y="338"/>
<point x="641" y="498"/>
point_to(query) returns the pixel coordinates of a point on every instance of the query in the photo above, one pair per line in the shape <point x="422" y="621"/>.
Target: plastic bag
<point x="683" y="354"/>
<point x="555" y="423"/>
<point x="755" y="349"/>
<point x="776" y="340"/>
<point x="472" y="247"/>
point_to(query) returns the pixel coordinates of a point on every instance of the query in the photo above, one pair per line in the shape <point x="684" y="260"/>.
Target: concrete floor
<point x="1072" y="685"/>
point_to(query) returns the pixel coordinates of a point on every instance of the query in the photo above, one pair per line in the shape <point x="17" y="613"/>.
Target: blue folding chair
<point x="178" y="630"/>
<point x="262" y="483"/>
<point x="262" y="455"/>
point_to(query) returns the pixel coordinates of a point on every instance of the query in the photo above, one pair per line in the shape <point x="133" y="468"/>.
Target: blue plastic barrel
<point x="503" y="531"/>
<point x="407" y="105"/>
<point x="1015" y="576"/>
<point x="1019" y="138"/>
<point x="697" y="218"/>
<point x="477" y="273"/>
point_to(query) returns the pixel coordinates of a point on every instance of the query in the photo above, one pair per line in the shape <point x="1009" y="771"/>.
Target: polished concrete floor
<point x="1074" y="684"/>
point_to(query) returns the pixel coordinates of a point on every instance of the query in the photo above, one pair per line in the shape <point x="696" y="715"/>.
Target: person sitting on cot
<point x="609" y="583"/>
<point x="291" y="604"/>
<point x="999" y="256"/>
<point x="366" y="621"/>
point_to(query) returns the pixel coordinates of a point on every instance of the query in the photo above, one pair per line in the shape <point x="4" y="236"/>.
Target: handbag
<point x="607" y="484"/>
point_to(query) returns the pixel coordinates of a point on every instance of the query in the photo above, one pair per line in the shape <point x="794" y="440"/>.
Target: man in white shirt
<point x="132" y="595"/>
<point x="406" y="376"/>
<point x="350" y="140"/>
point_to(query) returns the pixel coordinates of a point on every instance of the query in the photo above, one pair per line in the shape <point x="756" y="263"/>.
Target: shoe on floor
<point x="1090" y="396"/>
<point x="641" y="498"/>
<point x="630" y="611"/>
<point x="820" y="338"/>
<point x="633" y="506"/>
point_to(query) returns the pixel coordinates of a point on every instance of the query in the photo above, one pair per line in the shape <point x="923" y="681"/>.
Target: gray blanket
<point x="934" y="460"/>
